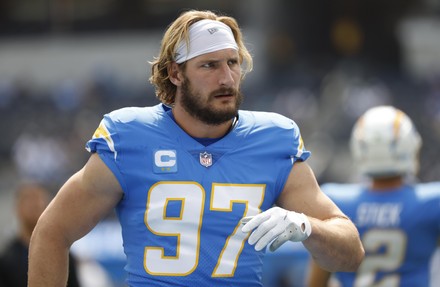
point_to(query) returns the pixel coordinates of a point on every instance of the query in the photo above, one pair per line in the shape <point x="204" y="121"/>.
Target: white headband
<point x="205" y="36"/>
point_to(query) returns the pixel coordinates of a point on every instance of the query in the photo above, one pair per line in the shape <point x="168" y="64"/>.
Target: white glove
<point x="276" y="225"/>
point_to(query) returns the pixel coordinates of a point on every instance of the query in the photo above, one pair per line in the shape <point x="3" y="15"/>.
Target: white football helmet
<point x="384" y="142"/>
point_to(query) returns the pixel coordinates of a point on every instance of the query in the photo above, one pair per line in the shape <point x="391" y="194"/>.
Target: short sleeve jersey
<point x="183" y="201"/>
<point x="399" y="229"/>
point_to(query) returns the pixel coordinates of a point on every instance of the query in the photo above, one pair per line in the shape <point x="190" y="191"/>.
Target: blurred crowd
<point x="44" y="131"/>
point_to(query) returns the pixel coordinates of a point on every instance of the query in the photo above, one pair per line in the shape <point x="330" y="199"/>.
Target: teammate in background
<point x="398" y="219"/>
<point x="182" y="175"/>
<point x="30" y="200"/>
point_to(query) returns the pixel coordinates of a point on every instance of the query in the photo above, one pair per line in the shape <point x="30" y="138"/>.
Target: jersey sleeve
<point x="430" y="193"/>
<point x="104" y="142"/>
<point x="300" y="152"/>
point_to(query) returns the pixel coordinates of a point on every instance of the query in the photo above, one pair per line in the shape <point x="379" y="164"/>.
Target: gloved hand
<point x="276" y="225"/>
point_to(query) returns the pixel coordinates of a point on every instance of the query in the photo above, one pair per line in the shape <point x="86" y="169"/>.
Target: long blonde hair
<point x="179" y="31"/>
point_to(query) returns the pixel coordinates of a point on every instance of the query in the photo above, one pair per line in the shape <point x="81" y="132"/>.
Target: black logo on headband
<point x="212" y="30"/>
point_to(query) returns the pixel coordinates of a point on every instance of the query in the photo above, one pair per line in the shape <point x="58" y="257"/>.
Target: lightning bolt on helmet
<point x="384" y="142"/>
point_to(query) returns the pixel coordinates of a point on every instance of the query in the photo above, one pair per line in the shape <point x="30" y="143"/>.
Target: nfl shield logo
<point x="206" y="159"/>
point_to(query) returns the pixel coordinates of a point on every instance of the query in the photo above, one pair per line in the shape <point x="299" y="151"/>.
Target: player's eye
<point x="208" y="65"/>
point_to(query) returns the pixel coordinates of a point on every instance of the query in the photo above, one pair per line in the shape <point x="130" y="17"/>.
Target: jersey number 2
<point x="394" y="244"/>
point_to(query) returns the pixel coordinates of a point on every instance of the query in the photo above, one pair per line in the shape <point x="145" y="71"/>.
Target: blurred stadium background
<point x="64" y="63"/>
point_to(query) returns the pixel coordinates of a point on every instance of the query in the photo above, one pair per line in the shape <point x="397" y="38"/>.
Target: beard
<point x="203" y="110"/>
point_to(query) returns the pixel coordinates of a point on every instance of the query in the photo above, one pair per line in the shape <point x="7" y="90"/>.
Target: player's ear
<point x="175" y="74"/>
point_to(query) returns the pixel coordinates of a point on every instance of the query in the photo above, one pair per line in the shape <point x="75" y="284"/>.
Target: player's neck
<point x="387" y="183"/>
<point x="198" y="129"/>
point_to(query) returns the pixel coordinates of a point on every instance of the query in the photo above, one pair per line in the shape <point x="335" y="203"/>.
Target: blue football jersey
<point x="183" y="201"/>
<point x="286" y="266"/>
<point x="399" y="229"/>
